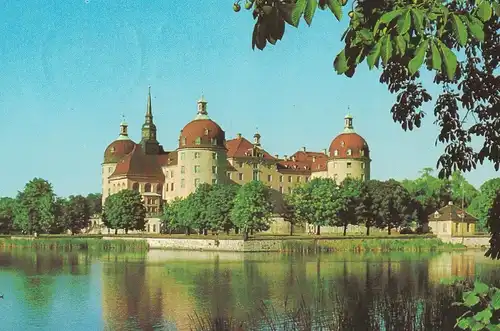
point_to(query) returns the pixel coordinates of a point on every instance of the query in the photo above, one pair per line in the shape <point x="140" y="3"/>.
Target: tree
<point x="317" y="202"/>
<point x="367" y="208"/>
<point x="75" y="213"/>
<point x="124" y="210"/>
<point x="6" y="214"/>
<point x="481" y="204"/>
<point x="196" y="212"/>
<point x="493" y="223"/>
<point x="350" y="198"/>
<point x="395" y="207"/>
<point x="252" y="208"/>
<point x="219" y="203"/>
<point x="288" y="212"/>
<point x="35" y="207"/>
<point x="461" y="191"/>
<point x="94" y="202"/>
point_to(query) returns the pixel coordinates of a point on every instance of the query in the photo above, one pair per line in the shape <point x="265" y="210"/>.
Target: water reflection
<point x="158" y="290"/>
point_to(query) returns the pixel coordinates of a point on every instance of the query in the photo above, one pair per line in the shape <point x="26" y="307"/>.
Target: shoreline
<point x="263" y="243"/>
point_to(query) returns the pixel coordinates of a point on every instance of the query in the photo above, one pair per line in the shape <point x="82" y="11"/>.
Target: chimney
<point x="303" y="149"/>
<point x="238" y="136"/>
<point x="293" y="158"/>
<point x="324" y="151"/>
<point x="276" y="156"/>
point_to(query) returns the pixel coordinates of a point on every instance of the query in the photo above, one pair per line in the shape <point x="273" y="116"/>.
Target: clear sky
<point x="69" y="69"/>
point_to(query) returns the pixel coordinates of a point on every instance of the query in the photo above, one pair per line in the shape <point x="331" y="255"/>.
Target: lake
<point x="159" y="290"/>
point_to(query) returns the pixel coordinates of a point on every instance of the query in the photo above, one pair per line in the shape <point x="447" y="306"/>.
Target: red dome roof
<point x="202" y="133"/>
<point x="340" y="146"/>
<point x="117" y="150"/>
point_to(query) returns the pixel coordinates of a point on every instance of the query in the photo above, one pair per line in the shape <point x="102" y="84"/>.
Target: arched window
<point x="183" y="141"/>
<point x="135" y="187"/>
<point x="147" y="187"/>
<point x="197" y="141"/>
<point x="159" y="189"/>
<point x="336" y="152"/>
<point x="349" y="152"/>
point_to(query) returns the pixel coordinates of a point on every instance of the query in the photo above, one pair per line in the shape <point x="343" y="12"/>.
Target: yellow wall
<point x="339" y="169"/>
<point x="460" y="228"/>
<point x="106" y="171"/>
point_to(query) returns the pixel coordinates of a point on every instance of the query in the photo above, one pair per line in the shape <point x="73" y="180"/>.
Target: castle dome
<point x="122" y="146"/>
<point x="202" y="131"/>
<point x="349" y="144"/>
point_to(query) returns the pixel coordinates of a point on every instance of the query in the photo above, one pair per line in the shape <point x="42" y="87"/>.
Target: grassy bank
<point x="372" y="245"/>
<point x="65" y="243"/>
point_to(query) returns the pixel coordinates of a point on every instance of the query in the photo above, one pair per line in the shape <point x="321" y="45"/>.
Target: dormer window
<point x="214" y="141"/>
<point x="436" y="214"/>
<point x="112" y="149"/>
<point x="183" y="141"/>
<point x="197" y="141"/>
<point x="362" y="152"/>
<point x="336" y="152"/>
<point x="349" y="152"/>
<point x="342" y="143"/>
<point x="206" y="132"/>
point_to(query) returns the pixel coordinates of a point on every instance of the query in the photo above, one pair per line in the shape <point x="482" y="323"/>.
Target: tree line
<point x="36" y="209"/>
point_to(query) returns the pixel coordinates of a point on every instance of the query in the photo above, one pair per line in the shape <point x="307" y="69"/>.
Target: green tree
<point x="124" y="210"/>
<point x="218" y="206"/>
<point x="366" y="210"/>
<point x="35" y="207"/>
<point x="7" y="206"/>
<point x="461" y="191"/>
<point x="94" y="201"/>
<point x="170" y="217"/>
<point x="197" y="211"/>
<point x="350" y="198"/>
<point x="493" y="223"/>
<point x="395" y="207"/>
<point x="75" y="214"/>
<point x="252" y="208"/>
<point x="288" y="212"/>
<point x="481" y="204"/>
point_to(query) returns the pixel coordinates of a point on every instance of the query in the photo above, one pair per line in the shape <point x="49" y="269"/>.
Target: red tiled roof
<point x="305" y="161"/>
<point x="137" y="163"/>
<point x="241" y="147"/>
<point x="451" y="213"/>
<point x="206" y="130"/>
<point x="117" y="150"/>
<point x="352" y="141"/>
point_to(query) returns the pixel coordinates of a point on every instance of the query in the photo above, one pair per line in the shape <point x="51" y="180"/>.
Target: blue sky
<point x="71" y="68"/>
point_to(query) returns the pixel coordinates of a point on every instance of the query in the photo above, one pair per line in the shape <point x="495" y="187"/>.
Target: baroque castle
<point x="204" y="155"/>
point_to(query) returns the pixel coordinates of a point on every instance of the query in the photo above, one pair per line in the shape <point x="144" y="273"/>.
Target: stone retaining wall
<point x="467" y="241"/>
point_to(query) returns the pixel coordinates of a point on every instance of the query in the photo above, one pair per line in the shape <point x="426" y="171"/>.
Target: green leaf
<point x="493" y="327"/>
<point x="449" y="59"/>
<point x="366" y="34"/>
<point x="496" y="7"/>
<point x="336" y="8"/>
<point x="340" y="63"/>
<point x="387" y="18"/>
<point x="471" y="300"/>
<point x="300" y="6"/>
<point x="404" y="22"/>
<point x="463" y="323"/>
<point x="401" y="44"/>
<point x="437" y="63"/>
<point x="418" y="59"/>
<point x="476" y="27"/>
<point x="418" y="20"/>
<point x="386" y="50"/>
<point x="310" y="10"/>
<point x="483" y="316"/>
<point x="459" y="29"/>
<point x="484" y="11"/>
<point x="495" y="300"/>
<point x="374" y="55"/>
<point x="480" y="288"/>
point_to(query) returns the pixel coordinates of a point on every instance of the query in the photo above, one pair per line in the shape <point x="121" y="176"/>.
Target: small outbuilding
<point x="452" y="221"/>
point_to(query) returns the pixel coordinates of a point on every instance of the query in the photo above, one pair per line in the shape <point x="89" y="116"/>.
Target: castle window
<point x="147" y="187"/>
<point x="362" y="177"/>
<point x="281" y="180"/>
<point x="214" y="141"/>
<point x="307" y="179"/>
<point x="362" y="152"/>
<point x="197" y="141"/>
<point x="362" y="165"/>
<point x="135" y="187"/>
<point x="229" y="175"/>
<point x="468" y="227"/>
<point x="183" y="141"/>
<point x="214" y="169"/>
<point x="166" y="188"/>
<point x="109" y="170"/>
<point x="269" y="178"/>
<point x="289" y="179"/>
<point x="159" y="189"/>
<point x="183" y="183"/>
<point x="183" y="155"/>
<point x="171" y="174"/>
<point x="206" y="132"/>
<point x="349" y="152"/>
<point x="336" y="152"/>
<point x="171" y="186"/>
<point x="349" y="165"/>
<point x="196" y="155"/>
<point x="289" y="190"/>
<point x="154" y="227"/>
<point x="342" y="143"/>
<point x="298" y="179"/>
<point x="196" y="169"/>
<point x="183" y="170"/>
<point x="196" y="182"/>
<point x="240" y="176"/>
<point x="214" y="156"/>
<point x="255" y="166"/>
<point x="112" y="149"/>
<point x="255" y="175"/>
<point x="214" y="181"/>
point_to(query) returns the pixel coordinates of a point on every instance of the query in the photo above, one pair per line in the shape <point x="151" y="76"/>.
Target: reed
<point x="372" y="245"/>
<point x="74" y="244"/>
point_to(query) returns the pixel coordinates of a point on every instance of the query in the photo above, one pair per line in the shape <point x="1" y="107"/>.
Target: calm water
<point x="159" y="289"/>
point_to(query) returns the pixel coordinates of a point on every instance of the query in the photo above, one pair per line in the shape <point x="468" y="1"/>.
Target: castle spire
<point x="149" y="110"/>
<point x="123" y="130"/>
<point x="202" y="109"/>
<point x="348" y="127"/>
<point x="149" y="143"/>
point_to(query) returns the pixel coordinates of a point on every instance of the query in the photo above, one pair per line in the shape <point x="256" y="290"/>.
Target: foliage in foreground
<point x="480" y="302"/>
<point x="74" y="244"/>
